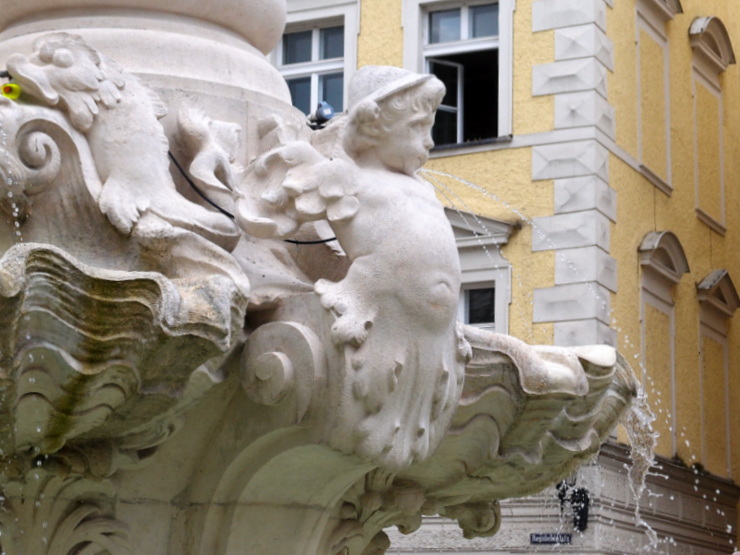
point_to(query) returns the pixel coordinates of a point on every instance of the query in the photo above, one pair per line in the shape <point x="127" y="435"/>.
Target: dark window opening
<point x="475" y="117"/>
<point x="480" y="305"/>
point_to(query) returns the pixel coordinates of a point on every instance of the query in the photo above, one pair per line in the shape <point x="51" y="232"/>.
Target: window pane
<point x="444" y="26"/>
<point x="332" y="43"/>
<point x="331" y="89"/>
<point x="448" y="74"/>
<point x="300" y="92"/>
<point x="444" y="131"/>
<point x="480" y="305"/>
<point x="297" y="47"/>
<point x="484" y="21"/>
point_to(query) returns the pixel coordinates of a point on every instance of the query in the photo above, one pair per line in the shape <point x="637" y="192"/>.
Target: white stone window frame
<point x="303" y="15"/>
<point x="479" y="241"/>
<point x="699" y="77"/>
<point x="651" y="16"/>
<point x="718" y="300"/>
<point x="669" y="309"/>
<point x="708" y="331"/>
<point x="663" y="264"/>
<point x="416" y="51"/>
<point x="499" y="292"/>
<point x="712" y="53"/>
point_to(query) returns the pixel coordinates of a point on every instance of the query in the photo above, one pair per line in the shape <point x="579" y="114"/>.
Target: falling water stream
<point x="638" y="419"/>
<point x="10" y="188"/>
<point x="637" y="422"/>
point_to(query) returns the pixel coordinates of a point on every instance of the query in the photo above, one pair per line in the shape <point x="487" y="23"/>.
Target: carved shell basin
<point x="90" y="355"/>
<point x="260" y="22"/>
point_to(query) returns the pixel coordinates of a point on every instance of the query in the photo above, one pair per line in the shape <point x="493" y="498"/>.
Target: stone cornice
<point x="263" y="32"/>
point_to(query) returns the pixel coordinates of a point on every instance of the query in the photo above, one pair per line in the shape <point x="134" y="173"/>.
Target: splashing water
<point x="637" y="421"/>
<point x="432" y="177"/>
<point x="427" y="172"/>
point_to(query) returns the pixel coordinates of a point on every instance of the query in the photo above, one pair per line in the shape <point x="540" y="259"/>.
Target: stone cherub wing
<point x="211" y="147"/>
<point x="293" y="184"/>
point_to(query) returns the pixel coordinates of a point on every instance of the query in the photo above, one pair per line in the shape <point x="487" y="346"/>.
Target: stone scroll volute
<point x="163" y="349"/>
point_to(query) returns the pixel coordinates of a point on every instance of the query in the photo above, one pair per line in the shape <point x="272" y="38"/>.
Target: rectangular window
<point x="653" y="96"/>
<point x="709" y="182"/>
<point x="462" y="50"/>
<point x="312" y="62"/>
<point x="478" y="306"/>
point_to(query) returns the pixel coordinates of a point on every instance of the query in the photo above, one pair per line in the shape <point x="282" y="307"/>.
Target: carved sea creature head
<point x="380" y="96"/>
<point x="65" y="71"/>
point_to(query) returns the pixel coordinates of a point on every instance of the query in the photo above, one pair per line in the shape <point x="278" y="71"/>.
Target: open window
<point x="461" y="48"/>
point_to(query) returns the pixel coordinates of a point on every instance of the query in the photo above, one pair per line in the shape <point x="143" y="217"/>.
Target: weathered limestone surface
<point x="178" y="379"/>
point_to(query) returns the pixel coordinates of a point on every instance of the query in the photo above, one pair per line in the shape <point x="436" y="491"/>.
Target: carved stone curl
<point x="282" y="358"/>
<point x="363" y="403"/>
<point x="47" y="514"/>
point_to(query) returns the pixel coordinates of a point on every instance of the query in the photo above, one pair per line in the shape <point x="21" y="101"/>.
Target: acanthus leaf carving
<point x="46" y="514"/>
<point x="110" y="332"/>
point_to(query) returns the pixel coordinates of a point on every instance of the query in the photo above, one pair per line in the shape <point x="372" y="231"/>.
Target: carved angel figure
<point x="119" y="116"/>
<point x="395" y="310"/>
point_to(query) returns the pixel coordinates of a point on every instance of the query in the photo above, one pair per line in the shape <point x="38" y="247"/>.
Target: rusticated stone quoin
<point x="175" y="378"/>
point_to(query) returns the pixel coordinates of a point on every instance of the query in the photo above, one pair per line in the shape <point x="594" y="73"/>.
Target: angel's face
<point x="405" y="144"/>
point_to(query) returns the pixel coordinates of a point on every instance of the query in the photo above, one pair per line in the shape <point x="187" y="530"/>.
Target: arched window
<point x="712" y="54"/>
<point x="663" y="264"/>
<point x="719" y="300"/>
<point x="653" y="90"/>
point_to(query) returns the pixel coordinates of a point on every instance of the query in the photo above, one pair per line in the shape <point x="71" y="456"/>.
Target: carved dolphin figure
<point x="119" y="116"/>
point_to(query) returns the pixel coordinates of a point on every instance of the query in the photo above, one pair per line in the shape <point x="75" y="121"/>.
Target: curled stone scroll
<point x="331" y="391"/>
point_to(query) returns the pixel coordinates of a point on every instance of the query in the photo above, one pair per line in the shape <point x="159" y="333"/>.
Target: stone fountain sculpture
<point x="179" y="379"/>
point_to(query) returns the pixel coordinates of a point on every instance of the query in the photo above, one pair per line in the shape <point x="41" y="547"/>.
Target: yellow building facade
<point x="588" y="153"/>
